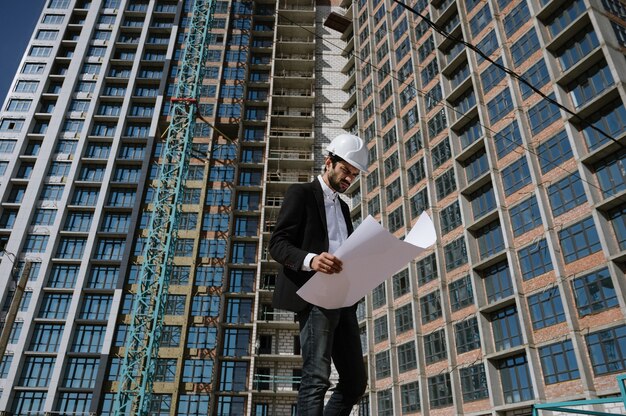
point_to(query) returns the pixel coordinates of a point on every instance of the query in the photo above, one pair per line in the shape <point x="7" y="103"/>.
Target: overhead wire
<point x="508" y="71"/>
<point x="443" y="102"/>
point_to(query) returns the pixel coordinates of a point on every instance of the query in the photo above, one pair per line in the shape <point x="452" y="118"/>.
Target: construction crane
<point x="142" y="344"/>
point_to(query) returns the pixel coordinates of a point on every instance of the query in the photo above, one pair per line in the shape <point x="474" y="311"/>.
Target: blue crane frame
<point x="142" y="344"/>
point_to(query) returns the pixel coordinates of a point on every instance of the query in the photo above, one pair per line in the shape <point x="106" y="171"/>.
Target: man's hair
<point x="333" y="159"/>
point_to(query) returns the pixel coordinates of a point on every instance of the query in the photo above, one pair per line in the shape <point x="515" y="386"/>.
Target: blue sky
<point x="17" y="21"/>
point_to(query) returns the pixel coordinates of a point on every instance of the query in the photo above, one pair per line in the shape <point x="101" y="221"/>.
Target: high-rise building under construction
<point x="522" y="300"/>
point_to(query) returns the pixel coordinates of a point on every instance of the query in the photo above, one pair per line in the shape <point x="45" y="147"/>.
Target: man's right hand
<point x="326" y="263"/>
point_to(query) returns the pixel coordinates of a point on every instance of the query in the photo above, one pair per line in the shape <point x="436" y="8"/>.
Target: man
<point x="313" y="222"/>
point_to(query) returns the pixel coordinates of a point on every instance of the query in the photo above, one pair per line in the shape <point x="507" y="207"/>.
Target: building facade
<point x="522" y="299"/>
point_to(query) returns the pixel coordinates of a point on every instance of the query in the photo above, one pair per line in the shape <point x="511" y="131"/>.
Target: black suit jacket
<point x="300" y="229"/>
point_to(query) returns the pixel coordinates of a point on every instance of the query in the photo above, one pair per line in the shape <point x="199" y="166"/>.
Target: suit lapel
<point x="319" y="200"/>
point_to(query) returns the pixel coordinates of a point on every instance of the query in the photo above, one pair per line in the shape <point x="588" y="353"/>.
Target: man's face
<point x="341" y="175"/>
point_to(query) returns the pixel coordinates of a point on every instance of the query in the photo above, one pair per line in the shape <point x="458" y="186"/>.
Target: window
<point x="103" y="277"/>
<point x="46" y="338"/>
<point x="74" y="403"/>
<point x="515" y="379"/>
<point x="474" y="383"/>
<point x="480" y="20"/>
<point x="611" y="173"/>
<point x="236" y="343"/>
<point x="11" y="125"/>
<point x="516" y="176"/>
<point x="523" y="48"/>
<point x="544" y="113"/>
<point x="40" y="51"/>
<point x="497" y="281"/>
<point x="435" y="346"/>
<point x="441" y="153"/>
<point x="445" y="184"/>
<point x="579" y="240"/>
<point x="418" y="202"/>
<point x="590" y="84"/>
<point x="88" y="339"/>
<point x="426" y="269"/>
<point x="35" y="243"/>
<point x="535" y="260"/>
<point x="205" y="305"/>
<point x="500" y="106"/>
<point x="455" y="254"/>
<point x="461" y="293"/>
<point x="519" y="15"/>
<point x="52" y="19"/>
<point x="577" y="47"/>
<point x="546" y="308"/>
<point x="537" y="76"/>
<point x="71" y="248"/>
<point x="508" y="139"/>
<point x="471" y="133"/>
<point x="490" y="240"/>
<point x="607" y="349"/>
<point x="33" y="68"/>
<point x="437" y="124"/>
<point x="476" y="165"/>
<point x="78" y="221"/>
<point x="385" y="403"/>
<point x="617" y="217"/>
<point x="63" y="276"/>
<point x="416" y="173"/>
<point x="413" y="145"/>
<point x="28" y="402"/>
<point x="193" y="405"/>
<point x="396" y="219"/>
<point x="564" y="16"/>
<point x="383" y="365"/>
<point x="558" y="362"/>
<point x="554" y="151"/>
<point x="204" y="337"/>
<point x="391" y="164"/>
<point x="81" y="373"/>
<point x="96" y="307"/>
<point x="407" y="357"/>
<point x="439" y="390"/>
<point x="238" y="310"/>
<point x="175" y="305"/>
<point x="430" y="306"/>
<point x="594" y="292"/>
<point x="410" y="397"/>
<point x="379" y="296"/>
<point x="450" y="217"/>
<point x="525" y="216"/>
<point x="401" y="283"/>
<point x="506" y="329"/>
<point x="36" y="372"/>
<point x="19" y="105"/>
<point x="566" y="194"/>
<point x="483" y="201"/>
<point x="466" y="335"/>
<point x="404" y="318"/>
<point x="233" y="376"/>
<point x="381" y="331"/>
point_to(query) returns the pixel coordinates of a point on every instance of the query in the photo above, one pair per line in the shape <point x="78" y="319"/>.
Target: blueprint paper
<point x="370" y="256"/>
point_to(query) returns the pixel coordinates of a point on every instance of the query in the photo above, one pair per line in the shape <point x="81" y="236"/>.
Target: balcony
<point x="290" y="154"/>
<point x="290" y="176"/>
<point x="276" y="383"/>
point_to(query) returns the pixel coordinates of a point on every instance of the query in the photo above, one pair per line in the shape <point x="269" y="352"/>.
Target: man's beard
<point x="336" y="183"/>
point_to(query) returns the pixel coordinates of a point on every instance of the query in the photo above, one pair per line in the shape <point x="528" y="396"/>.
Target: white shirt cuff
<point x="306" y="264"/>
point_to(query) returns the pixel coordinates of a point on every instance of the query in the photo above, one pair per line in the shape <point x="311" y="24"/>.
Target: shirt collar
<point x="328" y="192"/>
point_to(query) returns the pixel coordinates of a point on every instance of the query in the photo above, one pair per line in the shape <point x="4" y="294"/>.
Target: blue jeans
<point x="327" y="334"/>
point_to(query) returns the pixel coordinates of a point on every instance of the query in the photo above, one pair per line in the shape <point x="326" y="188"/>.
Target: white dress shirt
<point x="335" y="223"/>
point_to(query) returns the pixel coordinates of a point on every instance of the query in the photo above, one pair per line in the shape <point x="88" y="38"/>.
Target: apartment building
<point x="521" y="300"/>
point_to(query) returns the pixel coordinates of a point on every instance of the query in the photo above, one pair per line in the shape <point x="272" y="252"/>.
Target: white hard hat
<point x="351" y="149"/>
